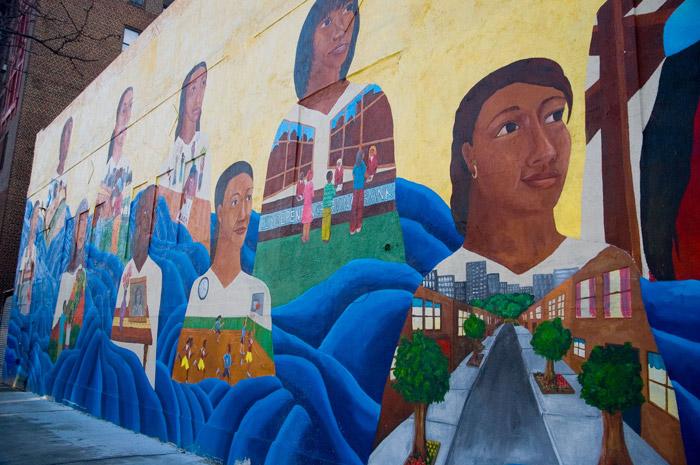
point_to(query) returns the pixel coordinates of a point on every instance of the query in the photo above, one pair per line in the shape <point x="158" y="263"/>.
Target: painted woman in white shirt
<point x="226" y="290"/>
<point x="27" y="264"/>
<point x="187" y="169"/>
<point x="135" y="323"/>
<point x="114" y="197"/>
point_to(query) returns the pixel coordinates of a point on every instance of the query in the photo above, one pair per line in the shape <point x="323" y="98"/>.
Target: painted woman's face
<point x="195" y="94"/>
<point x="124" y="114"/>
<point x="521" y="149"/>
<point x="234" y="212"/>
<point x="332" y="38"/>
<point x="80" y="232"/>
<point x="144" y="221"/>
<point x="65" y="144"/>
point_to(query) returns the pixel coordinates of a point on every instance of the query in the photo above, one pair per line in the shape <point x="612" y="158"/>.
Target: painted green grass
<point x="290" y="267"/>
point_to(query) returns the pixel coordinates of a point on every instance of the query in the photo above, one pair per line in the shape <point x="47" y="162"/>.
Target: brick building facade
<point x="39" y="84"/>
<point x="440" y="318"/>
<point x="602" y="305"/>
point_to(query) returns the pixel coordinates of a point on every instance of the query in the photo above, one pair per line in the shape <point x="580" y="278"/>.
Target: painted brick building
<point x="440" y="318"/>
<point x="602" y="305"/>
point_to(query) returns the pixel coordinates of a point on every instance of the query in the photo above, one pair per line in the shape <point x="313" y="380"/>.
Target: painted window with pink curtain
<point x="617" y="294"/>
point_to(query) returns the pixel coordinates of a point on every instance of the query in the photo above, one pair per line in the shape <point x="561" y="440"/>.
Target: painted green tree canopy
<point x="505" y="305"/>
<point x="551" y="340"/>
<point x="610" y="379"/>
<point x="422" y="372"/>
<point x="474" y="327"/>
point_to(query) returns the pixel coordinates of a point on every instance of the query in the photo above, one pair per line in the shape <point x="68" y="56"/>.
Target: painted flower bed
<point x="475" y="360"/>
<point x="432" y="447"/>
<point x="560" y="385"/>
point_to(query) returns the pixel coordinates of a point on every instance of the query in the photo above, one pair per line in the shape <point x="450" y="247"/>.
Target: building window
<point x="462" y="316"/>
<point x="538" y="312"/>
<point x="425" y="315"/>
<point x="585" y="298"/>
<point x="531" y="315"/>
<point x="137" y="2"/>
<point x="291" y="155"/>
<point x="129" y="36"/>
<point x="428" y="314"/>
<point x="560" y="306"/>
<point x="351" y="132"/>
<point x="580" y="347"/>
<point x="552" y="305"/>
<point x="661" y="391"/>
<point x="617" y="294"/>
<point x="417" y="314"/>
<point x="392" y="377"/>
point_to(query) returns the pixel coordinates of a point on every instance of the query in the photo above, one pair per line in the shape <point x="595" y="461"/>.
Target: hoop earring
<point x="475" y="173"/>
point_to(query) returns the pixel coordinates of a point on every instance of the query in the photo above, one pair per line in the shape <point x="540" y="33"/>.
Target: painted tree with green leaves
<point x="610" y="380"/>
<point x="422" y="378"/>
<point x="508" y="306"/>
<point x="474" y="329"/>
<point x="551" y="341"/>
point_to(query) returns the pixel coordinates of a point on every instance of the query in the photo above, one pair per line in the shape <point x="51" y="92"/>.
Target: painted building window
<point x="531" y="315"/>
<point x="392" y="376"/>
<point x="560" y="306"/>
<point x="291" y="156"/>
<point x="462" y="316"/>
<point x="417" y="314"/>
<point x="580" y="347"/>
<point x="617" y="294"/>
<point x="129" y="36"/>
<point x="551" y="308"/>
<point x="428" y="314"/>
<point x="585" y="298"/>
<point x="661" y="392"/>
<point x="425" y="315"/>
<point x="538" y="312"/>
<point x="355" y="127"/>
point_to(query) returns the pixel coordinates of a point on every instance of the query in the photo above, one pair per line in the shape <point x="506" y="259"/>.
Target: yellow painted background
<point x="424" y="55"/>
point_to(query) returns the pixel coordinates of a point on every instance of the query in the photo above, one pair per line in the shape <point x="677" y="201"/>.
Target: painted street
<point x="500" y="422"/>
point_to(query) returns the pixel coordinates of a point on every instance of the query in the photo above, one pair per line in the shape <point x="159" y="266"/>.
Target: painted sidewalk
<point x="38" y="431"/>
<point x="574" y="427"/>
<point x="441" y="421"/>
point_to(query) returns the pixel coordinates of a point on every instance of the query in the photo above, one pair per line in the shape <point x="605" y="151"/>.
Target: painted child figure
<point x="217" y="328"/>
<point x="227" y="363"/>
<point x="328" y="195"/>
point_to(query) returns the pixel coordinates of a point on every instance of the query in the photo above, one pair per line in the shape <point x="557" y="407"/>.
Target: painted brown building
<point x="440" y="318"/>
<point x="602" y="305"/>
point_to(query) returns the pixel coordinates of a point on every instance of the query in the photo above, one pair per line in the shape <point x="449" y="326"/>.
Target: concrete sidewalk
<point x="576" y="428"/>
<point x="441" y="420"/>
<point x="35" y="430"/>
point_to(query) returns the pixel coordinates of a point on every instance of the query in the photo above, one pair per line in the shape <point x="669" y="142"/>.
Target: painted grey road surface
<point x="500" y="423"/>
<point x="38" y="431"/>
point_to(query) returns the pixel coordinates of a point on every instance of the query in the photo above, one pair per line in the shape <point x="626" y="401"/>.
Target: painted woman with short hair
<point x="225" y="290"/>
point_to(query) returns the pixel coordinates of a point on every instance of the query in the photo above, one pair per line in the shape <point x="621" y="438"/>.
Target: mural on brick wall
<point x="272" y="236"/>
